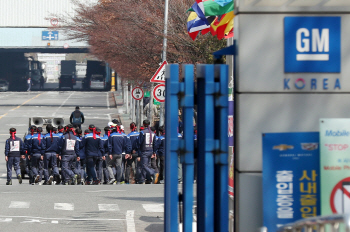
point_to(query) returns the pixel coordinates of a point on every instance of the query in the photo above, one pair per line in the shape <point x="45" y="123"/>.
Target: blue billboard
<point x="291" y="187"/>
<point x="49" y="35"/>
<point x="312" y="44"/>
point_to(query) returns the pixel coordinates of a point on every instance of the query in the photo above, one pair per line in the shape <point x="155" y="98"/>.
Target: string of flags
<point x="214" y="16"/>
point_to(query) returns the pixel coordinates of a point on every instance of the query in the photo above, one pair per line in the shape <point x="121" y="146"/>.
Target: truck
<point x="97" y="75"/>
<point x="68" y="74"/>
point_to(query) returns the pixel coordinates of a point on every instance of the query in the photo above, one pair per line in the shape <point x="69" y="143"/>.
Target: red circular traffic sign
<point x="137" y="93"/>
<point x="159" y="93"/>
<point x="65" y="46"/>
<point x="340" y="196"/>
<point x="54" y="22"/>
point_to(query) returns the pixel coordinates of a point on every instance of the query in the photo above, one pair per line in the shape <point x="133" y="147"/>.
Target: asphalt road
<point x="71" y="208"/>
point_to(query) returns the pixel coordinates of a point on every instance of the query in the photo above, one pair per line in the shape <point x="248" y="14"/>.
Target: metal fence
<point x="212" y="153"/>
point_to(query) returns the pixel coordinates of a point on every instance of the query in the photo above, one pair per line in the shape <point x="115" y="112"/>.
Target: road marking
<point x="3" y="115"/>
<point x="64" y="206"/>
<point x="108" y="207"/>
<point x="5" y="219"/>
<point x="153" y="208"/>
<point x="4" y="174"/>
<point x="54" y="222"/>
<point x="54" y="113"/>
<point x="130" y="223"/>
<point x="19" y="205"/>
<point x="21" y="105"/>
<point x="65" y="219"/>
<point x="99" y="191"/>
<point x="107" y="100"/>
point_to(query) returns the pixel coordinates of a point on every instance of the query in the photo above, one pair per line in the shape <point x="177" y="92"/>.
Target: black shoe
<point x="36" y="179"/>
<point x="87" y="182"/>
<point x="9" y="182"/>
<point x="96" y="182"/>
<point x="49" y="182"/>
<point x="19" y="177"/>
<point x="79" y="180"/>
<point x="58" y="179"/>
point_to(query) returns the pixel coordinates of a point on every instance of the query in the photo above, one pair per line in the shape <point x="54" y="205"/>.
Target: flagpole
<point x="166" y="10"/>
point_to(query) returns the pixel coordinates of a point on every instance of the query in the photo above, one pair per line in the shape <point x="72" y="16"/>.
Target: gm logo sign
<point x="312" y="44"/>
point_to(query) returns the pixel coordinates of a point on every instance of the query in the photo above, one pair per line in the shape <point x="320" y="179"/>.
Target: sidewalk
<point x="121" y="110"/>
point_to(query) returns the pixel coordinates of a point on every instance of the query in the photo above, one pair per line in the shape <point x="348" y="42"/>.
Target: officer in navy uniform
<point x="68" y="154"/>
<point x="50" y="147"/>
<point x="146" y="146"/>
<point x="14" y="150"/>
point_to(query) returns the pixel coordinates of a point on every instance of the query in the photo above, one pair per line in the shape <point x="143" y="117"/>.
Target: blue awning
<point x="225" y="51"/>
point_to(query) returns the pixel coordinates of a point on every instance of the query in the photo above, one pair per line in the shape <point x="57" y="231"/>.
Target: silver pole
<point x="133" y="110"/>
<point x="141" y="110"/>
<point x="138" y="113"/>
<point x="166" y="10"/>
<point x="127" y="99"/>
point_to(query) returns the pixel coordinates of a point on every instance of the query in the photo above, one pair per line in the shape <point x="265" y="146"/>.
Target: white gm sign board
<point x="291" y="69"/>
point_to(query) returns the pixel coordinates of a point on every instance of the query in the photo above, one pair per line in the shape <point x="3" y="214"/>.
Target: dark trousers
<point x="91" y="162"/>
<point x="50" y="161"/>
<point x="146" y="171"/>
<point x="106" y="176"/>
<point x="29" y="169"/>
<point x="129" y="163"/>
<point x="154" y="165"/>
<point x="99" y="168"/>
<point x="82" y="164"/>
<point x="161" y="167"/>
<point x="67" y="162"/>
<point x="13" y="161"/>
<point x="37" y="165"/>
<point x="77" y="125"/>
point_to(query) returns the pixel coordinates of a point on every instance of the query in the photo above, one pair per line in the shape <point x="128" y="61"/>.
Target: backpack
<point x="77" y="117"/>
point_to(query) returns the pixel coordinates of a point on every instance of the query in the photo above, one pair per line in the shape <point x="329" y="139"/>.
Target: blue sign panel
<point x="312" y="44"/>
<point x="49" y="35"/>
<point x="291" y="189"/>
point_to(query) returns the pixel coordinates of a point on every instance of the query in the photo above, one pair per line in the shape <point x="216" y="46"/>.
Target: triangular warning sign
<point x="159" y="76"/>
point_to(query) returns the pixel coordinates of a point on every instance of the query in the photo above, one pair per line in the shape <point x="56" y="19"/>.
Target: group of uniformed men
<point x="88" y="158"/>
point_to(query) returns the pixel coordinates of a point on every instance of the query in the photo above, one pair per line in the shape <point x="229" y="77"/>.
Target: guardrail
<point x="317" y="224"/>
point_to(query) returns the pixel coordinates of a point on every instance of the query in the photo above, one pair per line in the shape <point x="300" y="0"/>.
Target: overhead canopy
<point x="230" y="50"/>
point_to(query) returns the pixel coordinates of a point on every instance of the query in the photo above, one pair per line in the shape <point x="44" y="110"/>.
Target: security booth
<point x="291" y="70"/>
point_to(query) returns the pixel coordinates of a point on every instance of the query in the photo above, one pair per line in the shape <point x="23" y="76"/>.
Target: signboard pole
<point x="141" y="110"/>
<point x="138" y="114"/>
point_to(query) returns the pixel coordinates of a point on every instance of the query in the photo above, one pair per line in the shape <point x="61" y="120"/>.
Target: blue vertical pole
<point x="205" y="139"/>
<point x="187" y="102"/>
<point x="171" y="148"/>
<point x="221" y="158"/>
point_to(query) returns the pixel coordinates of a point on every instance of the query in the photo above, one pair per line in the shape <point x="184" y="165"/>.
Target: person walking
<point x="42" y="81"/>
<point x="29" y="82"/>
<point x="14" y="150"/>
<point x="77" y="118"/>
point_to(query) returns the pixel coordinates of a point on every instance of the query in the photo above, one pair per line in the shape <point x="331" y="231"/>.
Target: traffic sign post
<point x="159" y="93"/>
<point x="159" y="76"/>
<point x="137" y="93"/>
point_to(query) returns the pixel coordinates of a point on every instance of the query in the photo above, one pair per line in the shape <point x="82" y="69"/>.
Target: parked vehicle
<point x="97" y="82"/>
<point x="68" y="74"/>
<point x="96" y="73"/>
<point x="4" y="85"/>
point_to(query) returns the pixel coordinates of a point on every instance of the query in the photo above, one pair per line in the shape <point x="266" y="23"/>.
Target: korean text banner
<point x="290" y="177"/>
<point x="335" y="166"/>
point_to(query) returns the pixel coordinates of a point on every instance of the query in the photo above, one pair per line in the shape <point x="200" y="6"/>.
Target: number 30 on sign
<point x="159" y="93"/>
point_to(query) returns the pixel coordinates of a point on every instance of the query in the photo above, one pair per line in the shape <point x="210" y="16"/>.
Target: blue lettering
<point x="337" y="133"/>
<point x="313" y="83"/>
<point x="337" y="84"/>
<point x="325" y="83"/>
<point x="286" y="81"/>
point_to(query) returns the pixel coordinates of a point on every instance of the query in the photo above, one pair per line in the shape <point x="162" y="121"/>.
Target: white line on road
<point x="62" y="104"/>
<point x="107" y="100"/>
<point x="100" y="191"/>
<point x="130" y="223"/>
<point x="4" y="174"/>
<point x="5" y="219"/>
<point x="54" y="222"/>
<point x="64" y="206"/>
<point x="153" y="208"/>
<point x="66" y="219"/>
<point x="108" y="207"/>
<point x="19" y="205"/>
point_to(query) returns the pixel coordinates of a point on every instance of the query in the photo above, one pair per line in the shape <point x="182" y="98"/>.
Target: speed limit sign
<point x="159" y="93"/>
<point x="137" y="93"/>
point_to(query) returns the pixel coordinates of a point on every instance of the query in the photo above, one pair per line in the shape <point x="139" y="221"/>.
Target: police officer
<point x="68" y="154"/>
<point x="37" y="156"/>
<point x="50" y="146"/>
<point x="161" y="153"/>
<point x="117" y="143"/>
<point x="14" y="150"/>
<point x="93" y="147"/>
<point x="146" y="146"/>
<point x="132" y="136"/>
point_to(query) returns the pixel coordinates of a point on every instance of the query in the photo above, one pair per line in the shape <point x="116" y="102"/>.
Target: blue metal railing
<point x="212" y="157"/>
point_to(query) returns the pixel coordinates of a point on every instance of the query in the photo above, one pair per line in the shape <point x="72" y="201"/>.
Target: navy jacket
<point x="51" y="146"/>
<point x="14" y="147"/>
<point x="36" y="144"/>
<point x="117" y="143"/>
<point x="28" y="144"/>
<point x="81" y="148"/>
<point x="132" y="136"/>
<point x="161" y="146"/>
<point x="105" y="144"/>
<point x="93" y="147"/>
<point x="69" y="145"/>
<point x="146" y="142"/>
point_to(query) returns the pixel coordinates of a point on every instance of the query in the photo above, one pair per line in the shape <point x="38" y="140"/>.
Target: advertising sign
<point x="290" y="177"/>
<point x="312" y="44"/>
<point x="335" y="166"/>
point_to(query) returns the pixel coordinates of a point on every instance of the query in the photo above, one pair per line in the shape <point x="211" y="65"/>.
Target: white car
<point x="4" y="85"/>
